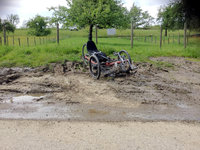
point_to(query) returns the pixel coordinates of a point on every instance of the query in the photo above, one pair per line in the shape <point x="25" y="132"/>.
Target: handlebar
<point x="115" y="53"/>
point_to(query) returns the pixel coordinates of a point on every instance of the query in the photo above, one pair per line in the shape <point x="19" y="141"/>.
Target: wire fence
<point x="154" y="37"/>
<point x="34" y="41"/>
<point x="25" y="41"/>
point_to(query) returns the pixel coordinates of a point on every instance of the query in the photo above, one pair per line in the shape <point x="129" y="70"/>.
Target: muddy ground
<point x="68" y="92"/>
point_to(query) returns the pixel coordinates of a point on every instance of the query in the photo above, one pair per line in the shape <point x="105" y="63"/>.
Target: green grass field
<point x="48" y="51"/>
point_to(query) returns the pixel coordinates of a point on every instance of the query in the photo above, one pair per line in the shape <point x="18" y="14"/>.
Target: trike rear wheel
<point x="84" y="55"/>
<point x="126" y="61"/>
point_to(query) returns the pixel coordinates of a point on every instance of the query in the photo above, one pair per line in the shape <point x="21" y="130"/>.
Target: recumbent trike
<point x="100" y="63"/>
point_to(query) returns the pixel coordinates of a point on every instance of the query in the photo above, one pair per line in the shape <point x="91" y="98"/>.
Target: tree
<point x="38" y="26"/>
<point x="7" y="26"/>
<point x="171" y="16"/>
<point x="13" y="19"/>
<point x="192" y="13"/>
<point x="164" y="17"/>
<point x="104" y="13"/>
<point x="59" y="16"/>
<point x="140" y="18"/>
<point x="175" y="14"/>
<point x="147" y="19"/>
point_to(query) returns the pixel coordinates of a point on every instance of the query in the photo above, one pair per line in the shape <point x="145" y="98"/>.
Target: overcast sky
<point x="27" y="9"/>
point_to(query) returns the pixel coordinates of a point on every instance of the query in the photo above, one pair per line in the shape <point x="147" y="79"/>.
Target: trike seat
<point x="92" y="49"/>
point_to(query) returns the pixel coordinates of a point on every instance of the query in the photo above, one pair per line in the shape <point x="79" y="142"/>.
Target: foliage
<point x="140" y="18"/>
<point x="192" y="13"/>
<point x="176" y="13"/>
<point x="38" y="26"/>
<point x="59" y="15"/>
<point x="171" y="16"/>
<point x="8" y="26"/>
<point x="105" y="13"/>
<point x="13" y="19"/>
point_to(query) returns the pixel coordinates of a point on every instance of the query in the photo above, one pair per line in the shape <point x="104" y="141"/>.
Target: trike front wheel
<point x="95" y="69"/>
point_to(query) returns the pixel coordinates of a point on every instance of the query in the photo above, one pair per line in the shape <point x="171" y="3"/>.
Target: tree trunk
<point x="90" y="32"/>
<point x="96" y="29"/>
<point x="165" y="31"/>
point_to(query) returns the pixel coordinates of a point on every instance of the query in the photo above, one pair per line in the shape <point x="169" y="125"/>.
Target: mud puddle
<point x="31" y="107"/>
<point x="25" y="99"/>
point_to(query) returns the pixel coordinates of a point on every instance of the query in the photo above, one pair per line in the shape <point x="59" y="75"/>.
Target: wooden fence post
<point x="40" y="41"/>
<point x="188" y="35"/>
<point x="179" y="38"/>
<point x="58" y="35"/>
<point x="7" y="40"/>
<point x="155" y="39"/>
<point x="185" y="34"/>
<point x="131" y="34"/>
<point x="160" y="36"/>
<point x="19" y="41"/>
<point x="4" y="35"/>
<point x="34" y="41"/>
<point x="13" y="40"/>
<point x="27" y="41"/>
<point x="164" y="40"/>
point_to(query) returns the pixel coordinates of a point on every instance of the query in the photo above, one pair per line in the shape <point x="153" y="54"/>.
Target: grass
<point x="71" y="44"/>
<point x="22" y="35"/>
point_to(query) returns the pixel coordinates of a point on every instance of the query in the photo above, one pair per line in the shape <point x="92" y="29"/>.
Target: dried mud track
<point x="64" y="92"/>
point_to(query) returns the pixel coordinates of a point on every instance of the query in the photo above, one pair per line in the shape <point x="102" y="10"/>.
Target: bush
<point x="38" y="26"/>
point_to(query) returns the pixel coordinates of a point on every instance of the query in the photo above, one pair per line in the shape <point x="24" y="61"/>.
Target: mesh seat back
<point x="91" y="47"/>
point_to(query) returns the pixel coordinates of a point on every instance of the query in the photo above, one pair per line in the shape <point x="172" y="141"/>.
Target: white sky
<point x="27" y="9"/>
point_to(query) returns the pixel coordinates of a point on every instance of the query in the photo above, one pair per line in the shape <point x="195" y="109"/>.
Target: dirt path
<point x="31" y="135"/>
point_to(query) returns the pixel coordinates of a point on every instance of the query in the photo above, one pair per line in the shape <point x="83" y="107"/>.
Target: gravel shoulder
<point x="26" y="134"/>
